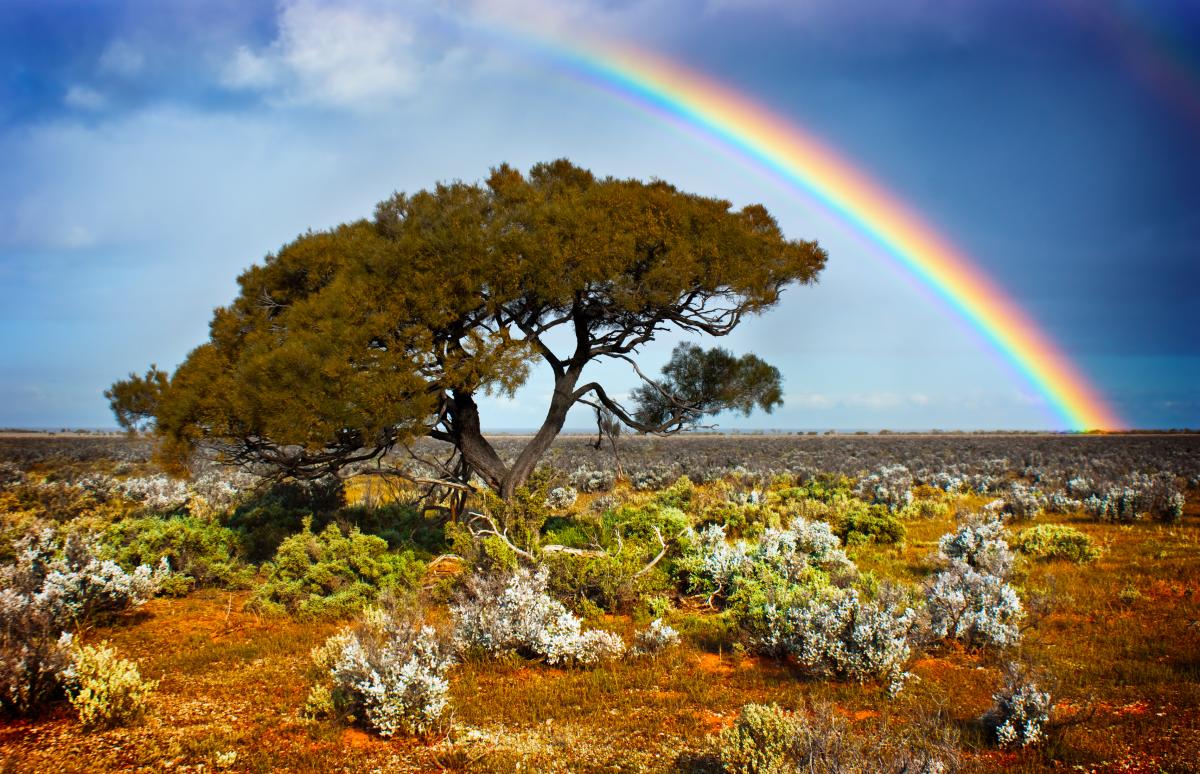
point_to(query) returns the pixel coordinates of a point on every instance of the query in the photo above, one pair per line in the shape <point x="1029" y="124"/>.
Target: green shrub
<point x="764" y="740"/>
<point x="200" y="552"/>
<point x="857" y="523"/>
<point x="1056" y="541"/>
<point x="267" y="520"/>
<point x="332" y="574"/>
<point x="105" y="690"/>
<point x="677" y="495"/>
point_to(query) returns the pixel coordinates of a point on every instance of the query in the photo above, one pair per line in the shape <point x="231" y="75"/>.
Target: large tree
<point x="355" y="341"/>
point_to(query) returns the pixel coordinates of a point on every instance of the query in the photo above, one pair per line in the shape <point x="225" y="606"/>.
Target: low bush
<point x="767" y="740"/>
<point x="1157" y="496"/>
<point x="265" y="521"/>
<point x="331" y="574"/>
<point x="1020" y="713"/>
<point x="856" y="523"/>
<point x="200" y="552"/>
<point x="498" y="615"/>
<point x="387" y="670"/>
<point x="890" y="487"/>
<point x="836" y="633"/>
<point x="104" y="689"/>
<point x="655" y="638"/>
<point x="975" y="607"/>
<point x="980" y="544"/>
<point x="1056" y="541"/>
<point x="49" y="590"/>
<point x="561" y="498"/>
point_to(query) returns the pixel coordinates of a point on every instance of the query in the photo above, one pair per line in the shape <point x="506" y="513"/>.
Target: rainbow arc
<point x="801" y="161"/>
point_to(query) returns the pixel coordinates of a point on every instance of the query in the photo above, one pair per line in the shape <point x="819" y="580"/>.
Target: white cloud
<point x="355" y="55"/>
<point x="248" y="70"/>
<point x="84" y="98"/>
<point x="122" y="59"/>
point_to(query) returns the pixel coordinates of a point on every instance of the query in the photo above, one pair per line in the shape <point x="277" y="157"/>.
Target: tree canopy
<point x="350" y="342"/>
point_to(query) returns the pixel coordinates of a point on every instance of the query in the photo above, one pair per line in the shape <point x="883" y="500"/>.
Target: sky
<point x="151" y="151"/>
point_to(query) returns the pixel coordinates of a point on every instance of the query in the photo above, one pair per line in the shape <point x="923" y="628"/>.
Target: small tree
<point x="351" y="342"/>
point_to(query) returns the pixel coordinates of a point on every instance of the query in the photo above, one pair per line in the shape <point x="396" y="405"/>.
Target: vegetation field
<point x="697" y="603"/>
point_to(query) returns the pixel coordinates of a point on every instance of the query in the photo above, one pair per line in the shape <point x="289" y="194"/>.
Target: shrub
<point x="890" y="487"/>
<point x="498" y="615"/>
<point x="1020" y="713"/>
<point x="1020" y="503"/>
<point x="561" y="498"/>
<point x="713" y="565"/>
<point x="47" y="591"/>
<point x="104" y="689"/>
<point x="836" y="633"/>
<point x="980" y="545"/>
<point x="331" y="574"/>
<point x="387" y="671"/>
<point x="856" y="523"/>
<point x="1156" y="495"/>
<point x="655" y="639"/>
<point x="763" y="740"/>
<point x="200" y="552"/>
<point x="1057" y="541"/>
<point x="267" y="520"/>
<point x="975" y="607"/>
<point x="767" y="740"/>
<point x="587" y="480"/>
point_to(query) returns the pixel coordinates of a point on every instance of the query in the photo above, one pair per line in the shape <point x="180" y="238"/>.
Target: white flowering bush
<point x="105" y="689"/>
<point x="1020" y="713"/>
<point x="975" y="607"/>
<point x="717" y="566"/>
<point x="655" y="638"/>
<point x="156" y="493"/>
<point x="561" y="498"/>
<point x="837" y="633"/>
<point x="388" y="672"/>
<point x="585" y="479"/>
<point x="49" y="590"/>
<point x="1140" y="495"/>
<point x="1020" y="502"/>
<point x="504" y="614"/>
<point x="980" y="544"/>
<point x="891" y="486"/>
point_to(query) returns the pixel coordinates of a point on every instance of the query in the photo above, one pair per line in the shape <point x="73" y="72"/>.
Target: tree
<point x="352" y="342"/>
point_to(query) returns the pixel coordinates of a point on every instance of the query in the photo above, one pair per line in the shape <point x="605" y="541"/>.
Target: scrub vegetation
<point x="729" y="603"/>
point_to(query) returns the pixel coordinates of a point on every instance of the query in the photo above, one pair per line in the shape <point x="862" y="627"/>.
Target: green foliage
<point x="762" y="741"/>
<point x="610" y="581"/>
<point x="857" y="523"/>
<point x="331" y="574"/>
<point x="1056" y="541"/>
<point x="200" y="552"/>
<point x="677" y="495"/>
<point x="265" y="521"/>
<point x="135" y="401"/>
<point x="104" y="689"/>
<point x="827" y="488"/>
<point x="696" y="382"/>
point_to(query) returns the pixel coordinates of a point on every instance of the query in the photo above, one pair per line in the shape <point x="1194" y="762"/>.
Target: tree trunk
<point x="556" y="416"/>
<point x="475" y="449"/>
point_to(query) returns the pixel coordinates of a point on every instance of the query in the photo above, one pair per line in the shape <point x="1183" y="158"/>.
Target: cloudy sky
<point x="150" y="151"/>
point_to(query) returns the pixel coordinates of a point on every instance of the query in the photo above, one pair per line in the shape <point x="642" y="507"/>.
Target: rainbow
<point x="790" y="154"/>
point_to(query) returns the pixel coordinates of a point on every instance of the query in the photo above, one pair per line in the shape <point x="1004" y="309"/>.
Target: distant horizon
<point x="580" y="431"/>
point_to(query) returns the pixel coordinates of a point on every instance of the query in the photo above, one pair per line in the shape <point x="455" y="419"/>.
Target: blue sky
<point x="150" y="151"/>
